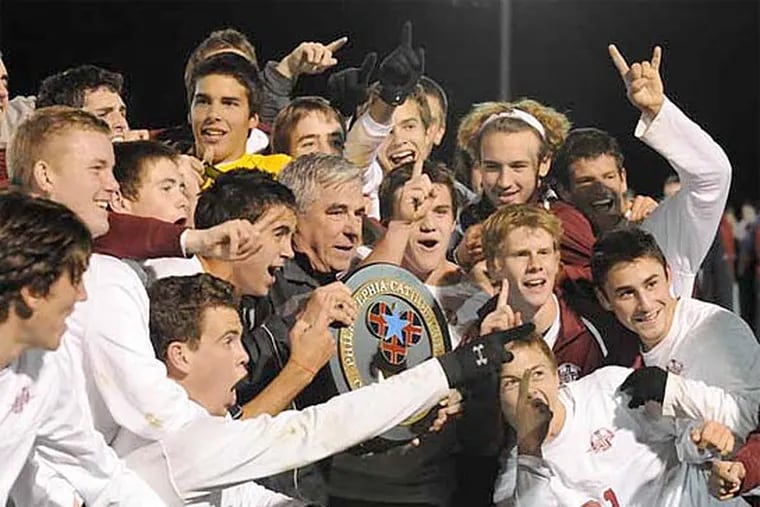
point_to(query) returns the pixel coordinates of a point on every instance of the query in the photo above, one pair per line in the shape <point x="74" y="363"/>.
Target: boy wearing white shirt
<point x="45" y="251"/>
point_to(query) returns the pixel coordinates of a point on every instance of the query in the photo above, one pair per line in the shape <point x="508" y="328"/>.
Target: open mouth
<point x="428" y="244"/>
<point x="181" y="221"/>
<point x="102" y="204"/>
<point x="344" y="249"/>
<point x="647" y="318"/>
<point x="402" y="157"/>
<point x="535" y="284"/>
<point x="508" y="197"/>
<point x="213" y="134"/>
<point x="603" y="205"/>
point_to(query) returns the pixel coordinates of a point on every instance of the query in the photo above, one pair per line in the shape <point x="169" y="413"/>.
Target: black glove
<point x="348" y="88"/>
<point x="481" y="356"/>
<point x="645" y="384"/>
<point x="401" y="70"/>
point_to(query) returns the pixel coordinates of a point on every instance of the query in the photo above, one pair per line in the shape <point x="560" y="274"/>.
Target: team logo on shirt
<point x="675" y="366"/>
<point x="568" y="372"/>
<point x="601" y="440"/>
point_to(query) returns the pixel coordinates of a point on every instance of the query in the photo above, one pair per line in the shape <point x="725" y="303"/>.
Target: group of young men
<point x="168" y="297"/>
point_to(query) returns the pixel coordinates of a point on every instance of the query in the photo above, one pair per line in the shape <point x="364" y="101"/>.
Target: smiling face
<point x="597" y="187"/>
<point x="77" y="171"/>
<point x="530" y="263"/>
<point x="255" y="275"/>
<point x="216" y="362"/>
<point x="638" y="292"/>
<point x="544" y="380"/>
<point x="330" y="230"/>
<point x="408" y="141"/>
<point x="429" y="238"/>
<point x="48" y="321"/>
<point x="221" y="118"/>
<point x="510" y="166"/>
<point x="161" y="194"/>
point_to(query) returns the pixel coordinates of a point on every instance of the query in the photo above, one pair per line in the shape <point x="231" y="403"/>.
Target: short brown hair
<point x="30" y="142"/>
<point x="535" y="341"/>
<point x="41" y="241"/>
<point x="291" y="114"/>
<point x="394" y="180"/>
<point x="471" y="129"/>
<point x="178" y="305"/>
<point x="132" y="161"/>
<point x="508" y="218"/>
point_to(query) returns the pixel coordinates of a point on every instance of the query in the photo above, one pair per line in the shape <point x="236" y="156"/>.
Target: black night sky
<point x="558" y="56"/>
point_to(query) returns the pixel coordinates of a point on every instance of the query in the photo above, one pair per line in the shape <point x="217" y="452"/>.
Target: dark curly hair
<point x="69" y="87"/>
<point x="177" y="304"/>
<point x="41" y="241"/>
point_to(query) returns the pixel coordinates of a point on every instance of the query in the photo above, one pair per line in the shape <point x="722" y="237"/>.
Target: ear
<point x="119" y="203"/>
<point x="178" y="358"/>
<point x="43" y="177"/>
<point x="602" y="299"/>
<point x="31" y="300"/>
<point x="544" y="166"/>
<point x="253" y="121"/>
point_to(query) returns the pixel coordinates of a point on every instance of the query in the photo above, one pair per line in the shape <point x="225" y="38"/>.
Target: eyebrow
<point x="337" y="207"/>
<point x="306" y="137"/>
<point x="234" y="332"/>
<point x="283" y="228"/>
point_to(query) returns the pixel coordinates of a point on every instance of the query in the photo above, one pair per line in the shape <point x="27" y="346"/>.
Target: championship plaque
<point x="399" y="325"/>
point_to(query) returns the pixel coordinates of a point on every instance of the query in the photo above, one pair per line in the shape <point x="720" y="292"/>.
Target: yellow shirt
<point x="270" y="163"/>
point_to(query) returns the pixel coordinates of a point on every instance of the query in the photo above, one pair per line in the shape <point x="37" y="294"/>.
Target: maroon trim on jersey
<point x="749" y="455"/>
<point x="132" y="237"/>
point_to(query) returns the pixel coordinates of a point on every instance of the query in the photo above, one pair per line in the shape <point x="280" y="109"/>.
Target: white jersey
<point x="685" y="224"/>
<point x="460" y="303"/>
<point x="265" y="445"/>
<point x="41" y="412"/>
<point x="710" y="344"/>
<point x="605" y="452"/>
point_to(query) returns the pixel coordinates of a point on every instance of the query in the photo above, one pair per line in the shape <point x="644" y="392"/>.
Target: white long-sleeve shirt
<point x="180" y="465"/>
<point x="709" y="344"/>
<point x="685" y="224"/>
<point x="606" y="452"/>
<point x="362" y="142"/>
<point x="41" y="412"/>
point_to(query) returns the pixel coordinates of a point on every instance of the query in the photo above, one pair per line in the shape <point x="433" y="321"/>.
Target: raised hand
<point x="234" y="240"/>
<point x="533" y="419"/>
<point x="469" y="251"/>
<point x="348" y="87"/>
<point x="640" y="207"/>
<point x="713" y="436"/>
<point x="416" y="196"/>
<point x="726" y="479"/>
<point x="502" y="317"/>
<point x="642" y="80"/>
<point x="312" y="344"/>
<point x="310" y="58"/>
<point x="401" y="69"/>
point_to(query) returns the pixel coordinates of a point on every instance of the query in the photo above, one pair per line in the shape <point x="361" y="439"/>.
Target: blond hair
<point x="475" y="125"/>
<point x="504" y="220"/>
<point x="32" y="138"/>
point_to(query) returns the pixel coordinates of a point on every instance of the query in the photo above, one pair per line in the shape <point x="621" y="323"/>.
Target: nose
<point x="108" y="181"/>
<point x="427" y="224"/>
<point x="505" y="178"/>
<point x="534" y="263"/>
<point x="118" y="122"/>
<point x="644" y="302"/>
<point x="241" y="355"/>
<point x="287" y="250"/>
<point x="353" y="228"/>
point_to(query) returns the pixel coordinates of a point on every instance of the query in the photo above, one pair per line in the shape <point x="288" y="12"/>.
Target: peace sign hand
<point x="642" y="80"/>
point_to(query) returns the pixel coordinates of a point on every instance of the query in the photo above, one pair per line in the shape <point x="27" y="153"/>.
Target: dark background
<point x="557" y="55"/>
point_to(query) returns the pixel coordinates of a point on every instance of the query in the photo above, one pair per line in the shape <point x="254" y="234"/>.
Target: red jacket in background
<point x="132" y="237"/>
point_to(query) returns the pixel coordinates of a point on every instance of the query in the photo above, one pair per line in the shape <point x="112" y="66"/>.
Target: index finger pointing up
<point x="618" y="60"/>
<point x="656" y="58"/>
<point x="417" y="168"/>
<point x="503" y="298"/>
<point x="406" y="34"/>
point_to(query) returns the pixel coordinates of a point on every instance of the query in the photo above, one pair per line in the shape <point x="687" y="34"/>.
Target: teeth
<point x="535" y="283"/>
<point x="602" y="202"/>
<point x="102" y="204"/>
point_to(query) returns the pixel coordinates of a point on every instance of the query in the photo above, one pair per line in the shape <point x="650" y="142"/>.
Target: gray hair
<point x="308" y="175"/>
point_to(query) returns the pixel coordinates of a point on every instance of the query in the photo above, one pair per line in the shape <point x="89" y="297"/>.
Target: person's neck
<point x="218" y="268"/>
<point x="447" y="273"/>
<point x="542" y="317"/>
<point x="11" y="340"/>
<point x="322" y="274"/>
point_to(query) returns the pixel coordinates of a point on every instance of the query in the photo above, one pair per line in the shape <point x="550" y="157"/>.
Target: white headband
<point x="518" y="114"/>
